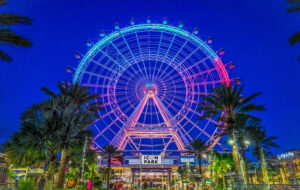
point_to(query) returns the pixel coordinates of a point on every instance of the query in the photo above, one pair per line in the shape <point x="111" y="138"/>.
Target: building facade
<point x="152" y="171"/>
<point x="284" y="168"/>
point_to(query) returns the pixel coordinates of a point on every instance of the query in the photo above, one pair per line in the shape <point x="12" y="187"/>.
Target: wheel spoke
<point x="169" y="66"/>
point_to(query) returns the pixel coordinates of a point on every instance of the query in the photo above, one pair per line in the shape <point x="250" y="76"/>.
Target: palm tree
<point x="70" y="122"/>
<point x="91" y="171"/>
<point x="198" y="148"/>
<point x="79" y="94"/>
<point x="243" y="127"/>
<point x="35" y="142"/>
<point x="295" y="7"/>
<point x="221" y="165"/>
<point x="73" y="174"/>
<point x="225" y="103"/>
<point x="182" y="172"/>
<point x="262" y="144"/>
<point x="74" y="111"/>
<point x="8" y="36"/>
<point x="108" y="152"/>
<point x="75" y="154"/>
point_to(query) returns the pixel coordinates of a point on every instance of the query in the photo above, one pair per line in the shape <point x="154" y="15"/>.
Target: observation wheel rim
<point x="165" y="28"/>
<point x="206" y="49"/>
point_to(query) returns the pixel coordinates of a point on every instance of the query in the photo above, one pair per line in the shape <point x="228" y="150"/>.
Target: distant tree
<point x="91" y="171"/>
<point x="75" y="154"/>
<point x="183" y="171"/>
<point x="222" y="164"/>
<point x="8" y="36"/>
<point x="295" y="7"/>
<point x="262" y="145"/>
<point x="198" y="147"/>
<point x="108" y="152"/>
<point x="73" y="174"/>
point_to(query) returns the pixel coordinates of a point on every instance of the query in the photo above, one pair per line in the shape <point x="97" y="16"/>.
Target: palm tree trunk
<point x="108" y="172"/>
<point x="264" y="167"/>
<point x="259" y="173"/>
<point x="50" y="174"/>
<point x="200" y="171"/>
<point x="224" y="183"/>
<point x="235" y="156"/>
<point x="244" y="164"/>
<point x="62" y="169"/>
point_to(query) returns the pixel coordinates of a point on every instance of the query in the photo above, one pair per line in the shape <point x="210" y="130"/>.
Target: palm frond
<point x="4" y="57"/>
<point x="2" y="2"/>
<point x="48" y="92"/>
<point x="249" y="98"/>
<point x="295" y="38"/>
<point x="295" y="6"/>
<point x="10" y="37"/>
<point x="10" y="19"/>
<point x="253" y="107"/>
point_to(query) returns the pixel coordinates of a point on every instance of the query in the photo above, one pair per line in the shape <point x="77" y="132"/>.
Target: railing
<point x="265" y="186"/>
<point x="33" y="186"/>
<point x="18" y="186"/>
<point x="7" y="186"/>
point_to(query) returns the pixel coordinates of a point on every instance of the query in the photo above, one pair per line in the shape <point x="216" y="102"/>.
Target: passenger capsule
<point x="102" y="34"/>
<point x="196" y="30"/>
<point x="231" y="65"/>
<point x="69" y="69"/>
<point x="209" y="40"/>
<point x="132" y="21"/>
<point x="180" y="24"/>
<point x="117" y="26"/>
<point x="89" y="43"/>
<point x="238" y="81"/>
<point x="77" y="55"/>
<point x="148" y="20"/>
<point x="221" y="51"/>
<point x="165" y="21"/>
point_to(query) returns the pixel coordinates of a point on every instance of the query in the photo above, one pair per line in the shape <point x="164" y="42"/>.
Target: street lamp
<point x="247" y="142"/>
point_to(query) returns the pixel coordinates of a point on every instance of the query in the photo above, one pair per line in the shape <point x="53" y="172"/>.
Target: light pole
<point x="83" y="159"/>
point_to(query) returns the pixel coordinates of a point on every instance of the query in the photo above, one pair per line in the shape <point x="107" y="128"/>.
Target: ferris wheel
<point x="150" y="78"/>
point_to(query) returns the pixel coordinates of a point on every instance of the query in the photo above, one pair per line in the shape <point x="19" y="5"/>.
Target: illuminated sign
<point x="286" y="155"/>
<point x="116" y="160"/>
<point x="151" y="159"/>
<point x="151" y="170"/>
<point x="185" y="159"/>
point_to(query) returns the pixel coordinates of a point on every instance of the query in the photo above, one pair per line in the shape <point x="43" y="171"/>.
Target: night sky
<point x="254" y="34"/>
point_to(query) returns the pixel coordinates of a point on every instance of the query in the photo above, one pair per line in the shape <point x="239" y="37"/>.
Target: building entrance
<point x="144" y="178"/>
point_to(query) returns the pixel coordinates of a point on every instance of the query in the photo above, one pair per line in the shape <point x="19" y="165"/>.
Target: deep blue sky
<point x="254" y="34"/>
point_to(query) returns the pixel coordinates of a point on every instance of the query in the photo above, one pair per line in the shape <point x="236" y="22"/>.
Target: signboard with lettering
<point x="167" y="170"/>
<point x="185" y="159"/>
<point x="286" y="155"/>
<point x="151" y="159"/>
<point x="118" y="160"/>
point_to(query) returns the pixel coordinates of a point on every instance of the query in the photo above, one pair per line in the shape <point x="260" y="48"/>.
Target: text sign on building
<point x="151" y="159"/>
<point x="185" y="159"/>
<point x="168" y="170"/>
<point x="286" y="155"/>
<point x="118" y="160"/>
